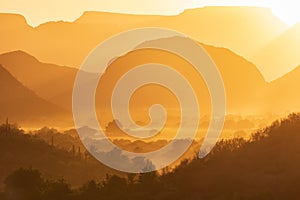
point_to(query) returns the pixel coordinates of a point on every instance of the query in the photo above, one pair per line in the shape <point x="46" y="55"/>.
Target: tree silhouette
<point x="90" y="191"/>
<point x="58" y="190"/>
<point x="266" y="167"/>
<point x="24" y="184"/>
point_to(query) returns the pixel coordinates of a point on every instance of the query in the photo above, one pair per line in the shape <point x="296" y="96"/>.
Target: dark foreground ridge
<point x="265" y="167"/>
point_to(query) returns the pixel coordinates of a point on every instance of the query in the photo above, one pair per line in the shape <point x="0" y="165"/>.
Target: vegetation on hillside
<point x="265" y="167"/>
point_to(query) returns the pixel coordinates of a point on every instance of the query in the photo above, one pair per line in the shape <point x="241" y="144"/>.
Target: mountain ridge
<point x="23" y="105"/>
<point x="227" y="61"/>
<point x="53" y="42"/>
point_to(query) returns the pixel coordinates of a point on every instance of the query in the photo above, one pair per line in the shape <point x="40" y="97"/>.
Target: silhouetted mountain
<point x="55" y="83"/>
<point x="21" y="104"/>
<point x="68" y="43"/>
<point x="12" y="22"/>
<point x="243" y="82"/>
<point x="281" y="55"/>
<point x="109" y="19"/>
<point x="49" y="81"/>
<point x="246" y="90"/>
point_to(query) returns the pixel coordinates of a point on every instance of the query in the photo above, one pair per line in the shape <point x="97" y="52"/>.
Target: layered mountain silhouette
<point x="242" y="29"/>
<point x="281" y="55"/>
<point x="21" y="104"/>
<point x="256" y="55"/>
<point x="244" y="84"/>
<point x="247" y="91"/>
<point x="47" y="80"/>
<point x="55" y="83"/>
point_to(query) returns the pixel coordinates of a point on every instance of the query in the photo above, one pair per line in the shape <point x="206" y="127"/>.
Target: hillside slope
<point x="21" y="150"/>
<point x="21" y="104"/>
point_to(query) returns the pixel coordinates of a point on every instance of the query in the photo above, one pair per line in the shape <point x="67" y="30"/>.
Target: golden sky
<point x="40" y="11"/>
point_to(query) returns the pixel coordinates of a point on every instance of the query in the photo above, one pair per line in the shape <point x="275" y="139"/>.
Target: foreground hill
<point x="264" y="168"/>
<point x="21" y="150"/>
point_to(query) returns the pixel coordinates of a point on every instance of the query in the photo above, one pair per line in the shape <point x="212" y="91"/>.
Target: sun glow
<point x="288" y="13"/>
<point x="37" y="12"/>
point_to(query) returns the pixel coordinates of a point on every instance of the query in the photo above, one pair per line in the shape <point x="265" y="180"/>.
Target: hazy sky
<point x="39" y="11"/>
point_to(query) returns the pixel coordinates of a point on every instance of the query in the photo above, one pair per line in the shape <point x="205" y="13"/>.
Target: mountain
<point x="13" y="22"/>
<point x="281" y="55"/>
<point x="243" y="82"/>
<point x="247" y="91"/>
<point x="22" y="105"/>
<point x="68" y="43"/>
<point x="47" y="80"/>
<point x="51" y="82"/>
<point x="107" y="18"/>
<point x="229" y="27"/>
<point x="55" y="83"/>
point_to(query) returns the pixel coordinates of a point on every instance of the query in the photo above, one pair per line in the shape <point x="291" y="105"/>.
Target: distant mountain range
<point x="244" y="30"/>
<point x="243" y="42"/>
<point x="55" y="83"/>
<point x="247" y="91"/>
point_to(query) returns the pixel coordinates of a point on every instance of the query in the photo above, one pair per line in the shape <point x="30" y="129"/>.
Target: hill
<point x="23" y="150"/>
<point x="264" y="167"/>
